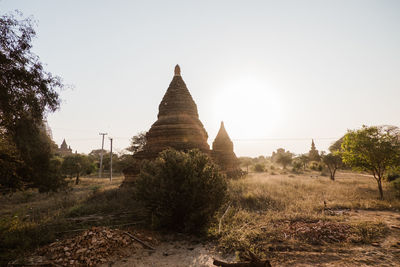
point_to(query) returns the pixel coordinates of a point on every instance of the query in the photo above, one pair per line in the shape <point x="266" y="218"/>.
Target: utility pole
<point x="111" y="159"/>
<point x="101" y="153"/>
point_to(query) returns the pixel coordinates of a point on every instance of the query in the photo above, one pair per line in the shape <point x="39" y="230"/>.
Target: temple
<point x="177" y="126"/>
<point x="64" y="149"/>
<point x="313" y="153"/>
<point x="222" y="152"/>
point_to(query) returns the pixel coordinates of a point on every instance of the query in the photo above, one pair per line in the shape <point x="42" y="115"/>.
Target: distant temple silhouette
<point x="64" y="149"/>
<point x="313" y="153"/>
<point x="178" y="126"/>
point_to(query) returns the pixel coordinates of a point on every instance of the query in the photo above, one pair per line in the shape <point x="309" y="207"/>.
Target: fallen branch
<point x="139" y="241"/>
<point x="242" y="264"/>
<point x="254" y="261"/>
<point x="84" y="229"/>
<point x="220" y="221"/>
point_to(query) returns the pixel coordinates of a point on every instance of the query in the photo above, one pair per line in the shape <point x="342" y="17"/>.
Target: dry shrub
<point x="181" y="191"/>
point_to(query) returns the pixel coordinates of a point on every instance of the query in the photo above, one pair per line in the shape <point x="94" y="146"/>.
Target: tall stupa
<point x="177" y="126"/>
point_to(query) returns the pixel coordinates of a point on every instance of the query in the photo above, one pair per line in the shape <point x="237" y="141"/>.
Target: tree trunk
<point x="333" y="174"/>
<point x="379" y="180"/>
<point x="77" y="178"/>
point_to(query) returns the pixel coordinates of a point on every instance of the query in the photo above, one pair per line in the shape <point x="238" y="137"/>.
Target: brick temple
<point x="178" y="126"/>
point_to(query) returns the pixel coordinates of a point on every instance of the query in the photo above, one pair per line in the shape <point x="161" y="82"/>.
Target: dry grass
<point x="266" y="210"/>
<point x="267" y="213"/>
<point x="29" y="219"/>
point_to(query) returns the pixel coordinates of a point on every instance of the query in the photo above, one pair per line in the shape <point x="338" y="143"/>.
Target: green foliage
<point x="304" y="159"/>
<point x="259" y="167"/>
<point x="333" y="161"/>
<point x="76" y="165"/>
<point x="372" y="149"/>
<point x="181" y="191"/>
<point x="27" y="91"/>
<point x="11" y="165"/>
<point x="393" y="173"/>
<point x="396" y="185"/>
<point x="137" y="142"/>
<point x="297" y="166"/>
<point x="315" y="166"/>
<point x="282" y="157"/>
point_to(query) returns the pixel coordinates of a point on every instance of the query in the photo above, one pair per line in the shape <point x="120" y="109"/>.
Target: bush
<point x="316" y="166"/>
<point x="396" y="185"/>
<point x="181" y="191"/>
<point x="258" y="167"/>
<point x="393" y="174"/>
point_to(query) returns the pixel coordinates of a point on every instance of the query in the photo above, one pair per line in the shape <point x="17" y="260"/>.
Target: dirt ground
<point x="386" y="252"/>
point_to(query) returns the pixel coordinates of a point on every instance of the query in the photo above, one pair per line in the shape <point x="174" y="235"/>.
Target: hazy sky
<point x="278" y="73"/>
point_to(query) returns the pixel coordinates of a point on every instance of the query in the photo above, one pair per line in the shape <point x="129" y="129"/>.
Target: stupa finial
<point x="177" y="70"/>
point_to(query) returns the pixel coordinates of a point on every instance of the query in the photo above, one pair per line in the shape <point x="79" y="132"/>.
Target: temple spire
<point x="177" y="70"/>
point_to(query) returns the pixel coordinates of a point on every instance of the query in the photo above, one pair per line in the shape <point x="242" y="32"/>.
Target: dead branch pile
<point x="91" y="247"/>
<point x="319" y="232"/>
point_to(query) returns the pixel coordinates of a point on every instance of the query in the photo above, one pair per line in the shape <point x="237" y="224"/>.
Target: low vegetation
<point x="181" y="191"/>
<point x="295" y="212"/>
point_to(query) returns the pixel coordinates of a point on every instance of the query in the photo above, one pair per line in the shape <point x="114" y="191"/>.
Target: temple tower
<point x="222" y="152"/>
<point x="313" y="153"/>
<point x="177" y="126"/>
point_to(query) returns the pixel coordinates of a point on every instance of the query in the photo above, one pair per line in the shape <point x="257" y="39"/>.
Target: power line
<point x="285" y="139"/>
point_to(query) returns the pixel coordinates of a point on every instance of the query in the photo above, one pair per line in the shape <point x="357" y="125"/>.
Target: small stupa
<point x="313" y="153"/>
<point x="177" y="126"/>
<point x="222" y="152"/>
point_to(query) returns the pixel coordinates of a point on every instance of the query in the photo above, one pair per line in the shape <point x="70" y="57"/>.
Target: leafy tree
<point x="283" y="157"/>
<point x="181" y="191"/>
<point x="11" y="165"/>
<point x="373" y="149"/>
<point x="124" y="161"/>
<point x="77" y="165"/>
<point x="259" y="167"/>
<point x="304" y="160"/>
<point x="333" y="161"/>
<point x="27" y="92"/>
<point x="137" y="143"/>
<point x="245" y="162"/>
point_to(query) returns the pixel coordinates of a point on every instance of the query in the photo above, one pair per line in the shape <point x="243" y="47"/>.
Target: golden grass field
<point x="304" y="219"/>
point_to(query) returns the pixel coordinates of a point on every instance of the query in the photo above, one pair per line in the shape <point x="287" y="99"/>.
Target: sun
<point x="249" y="107"/>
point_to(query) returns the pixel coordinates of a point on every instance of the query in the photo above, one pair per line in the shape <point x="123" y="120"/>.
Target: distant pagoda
<point x="178" y="125"/>
<point x="222" y="152"/>
<point x="64" y="149"/>
<point x="313" y="153"/>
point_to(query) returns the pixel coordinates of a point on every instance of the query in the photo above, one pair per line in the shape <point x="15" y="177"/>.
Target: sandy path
<point x="172" y="253"/>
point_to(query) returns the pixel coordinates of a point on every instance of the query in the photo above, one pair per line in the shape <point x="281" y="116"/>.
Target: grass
<point x="29" y="219"/>
<point x="267" y="212"/>
<point x="287" y="212"/>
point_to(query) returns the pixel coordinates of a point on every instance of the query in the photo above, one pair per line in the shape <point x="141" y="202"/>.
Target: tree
<point x="333" y="161"/>
<point x="27" y="93"/>
<point x="11" y="165"/>
<point x="137" y="143"/>
<point x="304" y="159"/>
<point x="373" y="149"/>
<point x="282" y="157"/>
<point x="76" y="165"/>
<point x="181" y="191"/>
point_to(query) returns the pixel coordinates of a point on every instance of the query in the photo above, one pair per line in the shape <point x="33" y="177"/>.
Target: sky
<point x="278" y="73"/>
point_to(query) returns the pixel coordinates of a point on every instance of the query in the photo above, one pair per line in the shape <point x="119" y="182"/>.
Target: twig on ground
<point x="223" y="215"/>
<point x="139" y="241"/>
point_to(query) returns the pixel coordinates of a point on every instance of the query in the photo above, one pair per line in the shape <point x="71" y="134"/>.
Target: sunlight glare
<point x="249" y="107"/>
